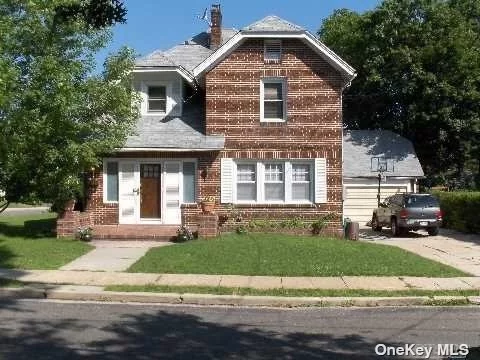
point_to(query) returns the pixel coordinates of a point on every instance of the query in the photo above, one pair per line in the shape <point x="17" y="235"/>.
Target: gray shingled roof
<point x="359" y="146"/>
<point x="157" y="58"/>
<point x="185" y="132"/>
<point x="188" y="55"/>
<point x="272" y="23"/>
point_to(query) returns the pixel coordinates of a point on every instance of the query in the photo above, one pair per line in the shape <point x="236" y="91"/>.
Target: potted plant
<point x="208" y="204"/>
<point x="85" y="233"/>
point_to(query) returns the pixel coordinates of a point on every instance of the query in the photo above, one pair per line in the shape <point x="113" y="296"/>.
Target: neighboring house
<point x="252" y="117"/>
<point x="361" y="149"/>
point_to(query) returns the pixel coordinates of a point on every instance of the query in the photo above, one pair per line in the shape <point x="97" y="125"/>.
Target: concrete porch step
<point x="135" y="232"/>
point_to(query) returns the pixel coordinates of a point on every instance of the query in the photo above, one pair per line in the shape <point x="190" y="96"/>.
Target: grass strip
<point x="288" y="292"/>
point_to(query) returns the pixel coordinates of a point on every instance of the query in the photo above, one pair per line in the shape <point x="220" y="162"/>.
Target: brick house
<point x="252" y="117"/>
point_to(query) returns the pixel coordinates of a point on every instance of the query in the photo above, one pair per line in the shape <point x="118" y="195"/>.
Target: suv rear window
<point x="421" y="201"/>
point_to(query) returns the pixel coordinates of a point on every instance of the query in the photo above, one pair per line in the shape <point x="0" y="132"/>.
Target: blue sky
<point x="152" y="25"/>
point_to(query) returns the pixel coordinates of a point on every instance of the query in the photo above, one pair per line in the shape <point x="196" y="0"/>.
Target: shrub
<point x="184" y="234"/>
<point x="461" y="210"/>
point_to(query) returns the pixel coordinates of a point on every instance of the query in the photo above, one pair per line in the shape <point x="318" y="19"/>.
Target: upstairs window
<point x="157" y="99"/>
<point x="272" y="51"/>
<point x="273" y="100"/>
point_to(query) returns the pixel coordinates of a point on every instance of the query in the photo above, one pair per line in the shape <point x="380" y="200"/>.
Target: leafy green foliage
<point x="418" y="64"/>
<point x="56" y="118"/>
<point x="96" y="13"/>
<point x="460" y="210"/>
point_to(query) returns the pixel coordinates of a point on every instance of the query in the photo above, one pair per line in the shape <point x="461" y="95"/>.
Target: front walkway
<point x="94" y="278"/>
<point x="112" y="255"/>
<point x="461" y="251"/>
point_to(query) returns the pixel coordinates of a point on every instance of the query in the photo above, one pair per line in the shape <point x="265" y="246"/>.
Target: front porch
<point x="135" y="232"/>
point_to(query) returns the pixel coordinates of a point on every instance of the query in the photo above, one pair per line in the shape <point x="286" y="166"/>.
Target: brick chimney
<point x="216" y="29"/>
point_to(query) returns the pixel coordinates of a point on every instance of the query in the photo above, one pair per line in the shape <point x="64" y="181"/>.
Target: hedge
<point x="461" y="210"/>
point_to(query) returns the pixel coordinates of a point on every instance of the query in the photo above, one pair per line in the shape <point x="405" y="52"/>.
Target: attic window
<point x="273" y="51"/>
<point x="157" y="99"/>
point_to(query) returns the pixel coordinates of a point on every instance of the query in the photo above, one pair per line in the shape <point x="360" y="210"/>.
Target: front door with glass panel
<point x="150" y="191"/>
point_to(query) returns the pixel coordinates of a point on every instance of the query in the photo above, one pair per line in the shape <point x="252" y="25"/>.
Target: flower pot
<point x="208" y="207"/>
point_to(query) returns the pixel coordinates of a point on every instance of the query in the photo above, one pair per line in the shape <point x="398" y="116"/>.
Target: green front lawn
<point x="285" y="255"/>
<point x="27" y="242"/>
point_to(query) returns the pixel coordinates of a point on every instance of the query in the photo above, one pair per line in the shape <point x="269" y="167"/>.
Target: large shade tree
<point x="418" y="64"/>
<point x="57" y="114"/>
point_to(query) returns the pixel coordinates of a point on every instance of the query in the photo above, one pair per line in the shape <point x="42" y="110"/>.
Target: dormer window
<point x="273" y="51"/>
<point x="157" y="99"/>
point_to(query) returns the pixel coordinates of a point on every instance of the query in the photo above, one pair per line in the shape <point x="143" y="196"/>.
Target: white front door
<point x="129" y="190"/>
<point x="172" y="186"/>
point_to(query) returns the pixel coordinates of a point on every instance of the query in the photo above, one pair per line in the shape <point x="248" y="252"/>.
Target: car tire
<point x="433" y="231"/>
<point x="394" y="227"/>
<point x="375" y="226"/>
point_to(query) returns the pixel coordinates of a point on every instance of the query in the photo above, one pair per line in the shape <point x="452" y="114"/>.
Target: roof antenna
<point x="204" y="17"/>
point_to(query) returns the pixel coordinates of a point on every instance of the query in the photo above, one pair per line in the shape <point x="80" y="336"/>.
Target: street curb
<point x="230" y="300"/>
<point x="22" y="293"/>
<point x="237" y="300"/>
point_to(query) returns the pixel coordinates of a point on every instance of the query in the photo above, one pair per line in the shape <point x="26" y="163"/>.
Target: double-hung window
<point x="157" y="99"/>
<point x="274" y="182"/>
<point x="246" y="182"/>
<point x="279" y="181"/>
<point x="301" y="182"/>
<point x="273" y="100"/>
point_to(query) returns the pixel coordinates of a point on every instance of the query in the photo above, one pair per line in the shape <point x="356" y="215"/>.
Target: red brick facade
<point x="313" y="129"/>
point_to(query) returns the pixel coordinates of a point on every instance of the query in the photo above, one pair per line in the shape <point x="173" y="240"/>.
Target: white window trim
<point x="278" y="80"/>
<point x="275" y="42"/>
<point x="144" y="94"/>
<point x="260" y="181"/>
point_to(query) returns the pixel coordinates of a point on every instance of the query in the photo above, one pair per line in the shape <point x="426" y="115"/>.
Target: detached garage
<point x="363" y="151"/>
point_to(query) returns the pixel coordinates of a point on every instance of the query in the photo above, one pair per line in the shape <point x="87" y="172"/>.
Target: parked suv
<point x="403" y="212"/>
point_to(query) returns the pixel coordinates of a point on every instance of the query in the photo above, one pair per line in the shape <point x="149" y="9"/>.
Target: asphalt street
<point x="32" y="329"/>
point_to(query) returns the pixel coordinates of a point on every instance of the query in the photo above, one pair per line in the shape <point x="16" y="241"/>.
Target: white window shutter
<point x="226" y="191"/>
<point x="320" y="180"/>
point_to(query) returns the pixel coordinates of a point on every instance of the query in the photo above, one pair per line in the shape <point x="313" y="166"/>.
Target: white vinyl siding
<point x="273" y="100"/>
<point x="269" y="182"/>
<point x="272" y="51"/>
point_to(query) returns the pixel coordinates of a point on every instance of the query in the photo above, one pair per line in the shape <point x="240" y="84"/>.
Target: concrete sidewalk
<point x="112" y="255"/>
<point x="91" y="278"/>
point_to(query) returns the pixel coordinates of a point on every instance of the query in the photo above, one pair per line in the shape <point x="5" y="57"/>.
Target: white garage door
<point x="360" y="201"/>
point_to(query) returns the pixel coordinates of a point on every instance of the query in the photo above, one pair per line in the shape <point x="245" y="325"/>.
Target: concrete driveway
<point x="450" y="247"/>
